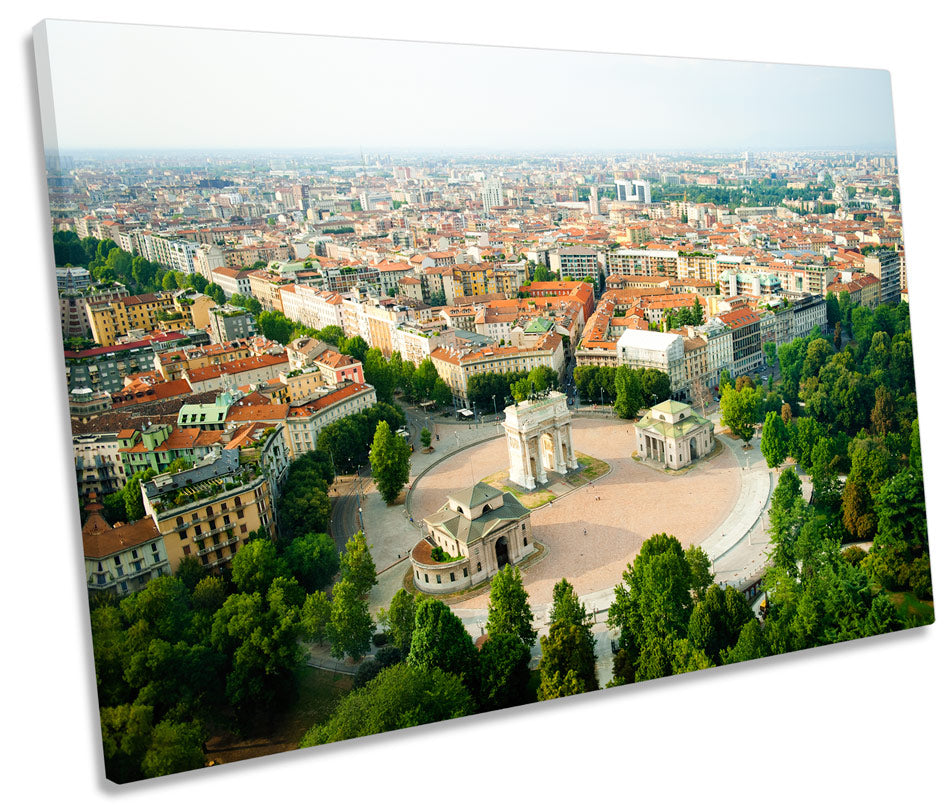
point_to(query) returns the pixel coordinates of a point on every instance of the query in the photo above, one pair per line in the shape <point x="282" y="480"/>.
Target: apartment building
<point x="235" y="374"/>
<point x="124" y="558"/>
<point x="637" y="262"/>
<point x="305" y="421"/>
<point x="74" y="306"/>
<point x="210" y="510"/>
<point x="105" y="368"/>
<point x="110" y="319"/>
<point x="98" y="464"/>
<point x="312" y="307"/>
<point x="415" y="342"/>
<point x="231" y="281"/>
<point x="576" y="263"/>
<point x="886" y="267"/>
<point x="229" y="323"/>
<point x="265" y="285"/>
<point x="456" y="364"/>
<point x="743" y="325"/>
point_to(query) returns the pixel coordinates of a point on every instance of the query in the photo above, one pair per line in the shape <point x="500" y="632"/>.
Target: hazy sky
<point x="140" y="87"/>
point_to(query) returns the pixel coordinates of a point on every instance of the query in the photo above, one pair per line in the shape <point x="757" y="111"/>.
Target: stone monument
<point x="538" y="431"/>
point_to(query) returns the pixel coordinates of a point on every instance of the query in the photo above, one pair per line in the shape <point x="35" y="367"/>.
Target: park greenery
<point x="347" y="441"/>
<point x="277" y="327"/>
<point x="199" y="653"/>
<point x="628" y="390"/>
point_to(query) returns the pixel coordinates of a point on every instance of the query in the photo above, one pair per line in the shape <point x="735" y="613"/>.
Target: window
<point x="438" y="579"/>
<point x="186" y="549"/>
<point x="182" y="534"/>
<point x="154" y="548"/>
<point x="179" y="521"/>
<point x="209" y="510"/>
<point x="243" y="528"/>
<point x="194" y="517"/>
<point x="426" y="577"/>
<point x="465" y="572"/>
<point x="525" y="542"/>
<point x="240" y="514"/>
<point x="135" y="553"/>
<point x="116" y="559"/>
<point x="478" y="567"/>
<point x="451" y="576"/>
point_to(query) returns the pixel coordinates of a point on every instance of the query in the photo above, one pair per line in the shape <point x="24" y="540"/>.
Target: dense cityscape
<point x="367" y="441"/>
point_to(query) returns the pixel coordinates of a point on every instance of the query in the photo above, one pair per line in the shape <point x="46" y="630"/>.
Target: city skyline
<point x="564" y="101"/>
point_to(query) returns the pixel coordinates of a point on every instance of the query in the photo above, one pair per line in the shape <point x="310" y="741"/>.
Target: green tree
<point x="132" y="494"/>
<point x="787" y="515"/>
<point x="379" y="374"/>
<point x="508" y="610"/>
<point x="740" y="410"/>
<point x="256" y="565"/>
<point x="355" y="347"/>
<point x="425" y="437"/>
<point x="126" y="734"/>
<point x="717" y="620"/>
<point x="439" y="640"/>
<point x="312" y="559"/>
<point x="700" y="570"/>
<point x="208" y="594"/>
<point x="357" y="565"/>
<point x="750" y="646"/>
<point x="259" y="636"/>
<point x="775" y="441"/>
<point x="351" y="627"/>
<point x="884" y="413"/>
<point x="190" y="571"/>
<point x="400" y="696"/>
<point x="160" y="610"/>
<point x="215" y="292"/>
<point x="389" y="457"/>
<point x="901" y="540"/>
<point x="651" y="603"/>
<point x="331" y="334"/>
<point x="315" y="616"/>
<point x="400" y="619"/>
<point x="503" y="672"/>
<point x="629" y="399"/>
<point x="768" y="350"/>
<point x="174" y="748"/>
<point x="567" y="662"/>
<point x="303" y="510"/>
<point x="275" y="326"/>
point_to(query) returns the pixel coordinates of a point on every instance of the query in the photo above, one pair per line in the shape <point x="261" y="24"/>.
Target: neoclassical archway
<point x="540" y="439"/>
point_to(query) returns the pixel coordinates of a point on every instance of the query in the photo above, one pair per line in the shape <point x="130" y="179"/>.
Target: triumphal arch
<point x="540" y="439"/>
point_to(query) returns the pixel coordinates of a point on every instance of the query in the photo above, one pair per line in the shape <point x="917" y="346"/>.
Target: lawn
<point x="589" y="469"/>
<point x="319" y="692"/>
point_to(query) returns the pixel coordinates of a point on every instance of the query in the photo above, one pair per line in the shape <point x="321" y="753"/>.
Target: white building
<point x="492" y="194"/>
<point x="646" y="349"/>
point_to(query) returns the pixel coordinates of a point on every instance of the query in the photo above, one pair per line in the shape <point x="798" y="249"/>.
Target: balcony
<point x="208" y="533"/>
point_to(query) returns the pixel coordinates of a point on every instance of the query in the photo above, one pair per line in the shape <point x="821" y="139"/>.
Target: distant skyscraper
<point x="594" y="203"/>
<point x="637" y="191"/>
<point x="492" y="194"/>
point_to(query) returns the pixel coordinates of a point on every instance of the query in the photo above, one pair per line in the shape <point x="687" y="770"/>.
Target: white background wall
<point x="860" y="726"/>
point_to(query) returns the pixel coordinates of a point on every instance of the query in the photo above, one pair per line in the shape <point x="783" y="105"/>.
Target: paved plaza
<point x="720" y="504"/>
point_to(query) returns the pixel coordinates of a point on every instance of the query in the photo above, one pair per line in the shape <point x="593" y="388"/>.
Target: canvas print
<point x="526" y="375"/>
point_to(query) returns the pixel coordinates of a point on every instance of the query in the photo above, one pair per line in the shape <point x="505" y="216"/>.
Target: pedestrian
<point x="585" y="531"/>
